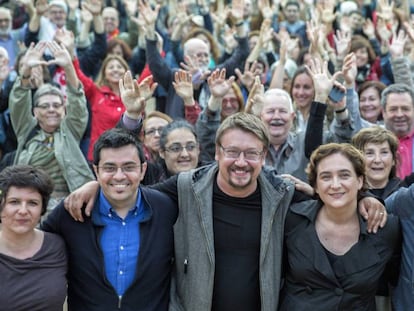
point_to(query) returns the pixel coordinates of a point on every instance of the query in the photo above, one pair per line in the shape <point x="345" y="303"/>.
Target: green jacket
<point x="67" y="137"/>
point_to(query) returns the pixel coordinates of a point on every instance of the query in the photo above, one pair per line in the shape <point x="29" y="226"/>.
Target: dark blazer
<point x="350" y="283"/>
<point x="88" y="287"/>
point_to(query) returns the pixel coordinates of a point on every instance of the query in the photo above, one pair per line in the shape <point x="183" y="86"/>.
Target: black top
<point x="237" y="225"/>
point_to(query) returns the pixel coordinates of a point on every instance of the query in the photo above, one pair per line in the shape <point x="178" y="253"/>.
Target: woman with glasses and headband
<point x="179" y="152"/>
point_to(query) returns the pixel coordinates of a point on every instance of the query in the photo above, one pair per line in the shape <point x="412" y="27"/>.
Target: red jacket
<point x="106" y="107"/>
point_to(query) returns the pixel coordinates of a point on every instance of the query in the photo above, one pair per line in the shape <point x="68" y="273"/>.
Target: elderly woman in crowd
<point x="152" y="128"/>
<point x="32" y="262"/>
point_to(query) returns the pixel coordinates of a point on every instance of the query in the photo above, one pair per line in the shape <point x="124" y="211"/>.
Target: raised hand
<point x="248" y="76"/>
<point x="33" y="57"/>
<point x="321" y="79"/>
<point x="183" y="86"/>
<point x="131" y="96"/>
<point x="67" y="38"/>
<point x="86" y="15"/>
<point x="369" y="29"/>
<point x="61" y="55"/>
<point x="342" y="42"/>
<point x="148" y="13"/>
<point x="219" y="85"/>
<point x="384" y="10"/>
<point x="41" y="7"/>
<point x="397" y="45"/>
<point x="255" y="101"/>
<point x="73" y="4"/>
<point x="93" y="6"/>
<point x="131" y="6"/>
<point x="349" y="69"/>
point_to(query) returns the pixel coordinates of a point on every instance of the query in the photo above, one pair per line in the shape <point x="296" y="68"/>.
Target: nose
<point x="377" y="157"/>
<point x="117" y="174"/>
<point x="22" y="209"/>
<point x="399" y="112"/>
<point x="241" y="159"/>
<point x="184" y="152"/>
<point x="335" y="182"/>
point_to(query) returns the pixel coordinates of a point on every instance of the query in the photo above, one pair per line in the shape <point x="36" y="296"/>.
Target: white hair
<point x="280" y="93"/>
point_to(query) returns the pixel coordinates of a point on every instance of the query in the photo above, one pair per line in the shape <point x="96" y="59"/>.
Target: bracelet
<point x="340" y="110"/>
<point x="239" y="24"/>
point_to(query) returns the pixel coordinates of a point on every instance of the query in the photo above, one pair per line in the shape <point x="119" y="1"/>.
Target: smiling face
<point x="152" y="131"/>
<point x="337" y="183"/>
<point x="120" y="188"/>
<point x="114" y="71"/>
<point x="278" y="117"/>
<point x="57" y="15"/>
<point x="110" y="19"/>
<point x="49" y="112"/>
<point x="230" y="104"/>
<point x="362" y="57"/>
<point x="180" y="160"/>
<point x="198" y="52"/>
<point x="370" y="104"/>
<point x="238" y="177"/>
<point x="303" y="91"/>
<point x="378" y="162"/>
<point x="21" y="211"/>
<point x="398" y="113"/>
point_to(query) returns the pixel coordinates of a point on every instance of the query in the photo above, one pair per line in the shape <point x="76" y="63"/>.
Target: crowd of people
<point x="206" y="155"/>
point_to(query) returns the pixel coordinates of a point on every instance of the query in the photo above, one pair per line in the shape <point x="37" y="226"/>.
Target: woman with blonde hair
<point x="104" y="99"/>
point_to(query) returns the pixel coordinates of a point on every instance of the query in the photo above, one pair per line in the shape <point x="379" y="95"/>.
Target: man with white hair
<point x="289" y="151"/>
<point x="9" y="38"/>
<point x="47" y="18"/>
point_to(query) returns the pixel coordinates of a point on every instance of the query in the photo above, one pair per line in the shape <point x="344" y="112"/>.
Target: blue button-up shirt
<point x="120" y="242"/>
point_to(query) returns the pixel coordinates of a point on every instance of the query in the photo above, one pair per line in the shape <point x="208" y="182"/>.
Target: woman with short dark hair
<point x="33" y="263"/>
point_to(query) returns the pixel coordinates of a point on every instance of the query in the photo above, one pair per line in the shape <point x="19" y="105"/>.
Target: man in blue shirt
<point x="121" y="257"/>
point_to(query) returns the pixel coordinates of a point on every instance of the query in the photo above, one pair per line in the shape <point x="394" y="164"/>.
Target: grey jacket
<point x="73" y="164"/>
<point x="192" y="287"/>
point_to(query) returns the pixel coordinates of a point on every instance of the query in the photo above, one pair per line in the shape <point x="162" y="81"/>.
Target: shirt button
<point x="123" y="223"/>
<point x="119" y="108"/>
<point x="121" y="272"/>
<point x="121" y="248"/>
<point x="339" y="291"/>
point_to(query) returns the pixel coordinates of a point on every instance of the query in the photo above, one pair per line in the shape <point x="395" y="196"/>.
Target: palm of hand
<point x="219" y="88"/>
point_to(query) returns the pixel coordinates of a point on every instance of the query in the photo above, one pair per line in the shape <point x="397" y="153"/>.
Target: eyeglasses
<point x="48" y="106"/>
<point x="201" y="54"/>
<point x="250" y="154"/>
<point x="151" y="131"/>
<point x="113" y="169"/>
<point x="177" y="148"/>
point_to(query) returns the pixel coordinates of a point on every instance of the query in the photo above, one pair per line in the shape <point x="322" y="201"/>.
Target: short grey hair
<point x="47" y="89"/>
<point x="397" y="88"/>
